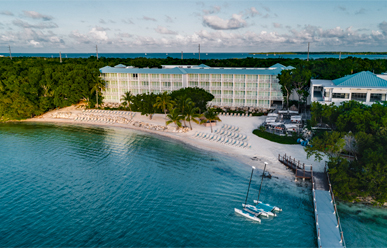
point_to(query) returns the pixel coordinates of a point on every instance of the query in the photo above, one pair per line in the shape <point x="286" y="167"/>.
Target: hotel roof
<point x="201" y="69"/>
<point x="364" y="79"/>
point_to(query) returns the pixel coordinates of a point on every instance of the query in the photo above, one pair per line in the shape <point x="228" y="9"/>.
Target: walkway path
<point x="329" y="232"/>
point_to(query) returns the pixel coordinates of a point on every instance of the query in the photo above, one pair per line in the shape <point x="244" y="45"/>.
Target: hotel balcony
<point x="227" y="88"/>
<point x="239" y="97"/>
<point x="215" y="87"/>
<point x="277" y="98"/>
<point x="145" y="87"/>
<point x="240" y="88"/>
<point x="217" y="95"/>
<point x="165" y="88"/>
<point x="251" y="97"/>
<point x="205" y="87"/>
<point x="227" y="80"/>
<point x="252" y="88"/>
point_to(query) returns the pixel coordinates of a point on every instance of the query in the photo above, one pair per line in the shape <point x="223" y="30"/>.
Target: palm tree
<point x="127" y="99"/>
<point x="164" y="102"/>
<point x="210" y="116"/>
<point x="192" y="114"/>
<point x="175" y="117"/>
<point x="99" y="85"/>
<point x="182" y="103"/>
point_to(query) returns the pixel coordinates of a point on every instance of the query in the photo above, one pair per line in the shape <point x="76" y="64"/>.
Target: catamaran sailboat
<point x="261" y="205"/>
<point x="248" y="211"/>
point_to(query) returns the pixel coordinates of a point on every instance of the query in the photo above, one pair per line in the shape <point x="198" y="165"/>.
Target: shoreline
<point x="264" y="150"/>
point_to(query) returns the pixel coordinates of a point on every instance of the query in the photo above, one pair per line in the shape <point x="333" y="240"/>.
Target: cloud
<point x="32" y="38"/>
<point x="342" y="8"/>
<point x="94" y="35"/>
<point x="164" y="30"/>
<point x="253" y="12"/>
<point x="266" y="16"/>
<point x="212" y="10"/>
<point x="36" y="15"/>
<point x="124" y="35"/>
<point x="277" y="25"/>
<point x="98" y="28"/>
<point x="168" y="19"/>
<point x="360" y="11"/>
<point x="266" y="8"/>
<point x="7" y="13"/>
<point x="146" y="18"/>
<point x="383" y="27"/>
<point x="102" y="21"/>
<point x="43" y="25"/>
<point x="127" y="21"/>
<point x="218" y="23"/>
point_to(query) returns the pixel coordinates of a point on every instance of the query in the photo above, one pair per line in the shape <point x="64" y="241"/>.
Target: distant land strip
<point x="342" y="53"/>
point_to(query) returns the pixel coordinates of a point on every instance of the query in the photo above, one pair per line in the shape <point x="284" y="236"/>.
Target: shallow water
<point x="76" y="186"/>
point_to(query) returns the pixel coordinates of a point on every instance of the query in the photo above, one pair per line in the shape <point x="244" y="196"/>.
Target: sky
<point x="180" y="25"/>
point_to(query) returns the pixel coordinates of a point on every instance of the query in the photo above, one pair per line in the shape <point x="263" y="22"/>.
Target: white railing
<point x="239" y="96"/>
<point x="251" y="97"/>
<point x="227" y="87"/>
<point x="227" y="95"/>
<point x="215" y="87"/>
<point x="144" y="87"/>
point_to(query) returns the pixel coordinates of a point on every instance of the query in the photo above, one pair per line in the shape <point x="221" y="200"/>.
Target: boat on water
<point x="259" y="210"/>
<point x="267" y="207"/>
<point x="247" y="215"/>
<point x="259" y="204"/>
<point x="145" y="54"/>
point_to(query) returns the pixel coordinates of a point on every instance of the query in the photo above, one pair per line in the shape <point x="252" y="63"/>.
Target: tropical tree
<point x="127" y="99"/>
<point x="210" y="115"/>
<point x="286" y="82"/>
<point x="164" y="102"/>
<point x="174" y="117"/>
<point x="98" y="86"/>
<point x="182" y="103"/>
<point x="192" y="114"/>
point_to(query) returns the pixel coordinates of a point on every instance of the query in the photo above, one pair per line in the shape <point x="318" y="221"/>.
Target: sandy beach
<point x="262" y="149"/>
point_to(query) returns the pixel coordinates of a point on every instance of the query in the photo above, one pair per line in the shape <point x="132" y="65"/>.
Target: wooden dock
<point x="299" y="169"/>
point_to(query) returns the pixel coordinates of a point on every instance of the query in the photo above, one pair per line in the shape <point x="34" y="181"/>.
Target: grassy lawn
<point x="275" y="138"/>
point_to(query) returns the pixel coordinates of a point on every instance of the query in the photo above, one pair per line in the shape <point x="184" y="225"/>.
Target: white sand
<point x="263" y="149"/>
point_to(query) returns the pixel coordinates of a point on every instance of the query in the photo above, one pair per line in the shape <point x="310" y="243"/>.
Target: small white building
<point x="365" y="87"/>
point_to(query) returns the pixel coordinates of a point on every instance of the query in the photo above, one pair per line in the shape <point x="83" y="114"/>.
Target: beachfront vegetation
<point x="288" y="140"/>
<point x="32" y="86"/>
<point x="210" y="116"/>
<point x="356" y="148"/>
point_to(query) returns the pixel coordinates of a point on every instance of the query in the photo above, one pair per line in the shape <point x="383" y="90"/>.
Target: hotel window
<point x="227" y="84"/>
<point x="227" y="93"/>
<point x="166" y="84"/>
<point x="177" y="76"/>
<point x="204" y="84"/>
<point x="240" y="77"/>
<point x="377" y="97"/>
<point x="144" y="83"/>
<point x="251" y="102"/>
<point x="227" y="100"/>
<point x="252" y="85"/>
<point x="264" y="85"/>
<point x="193" y="76"/>
<point x="192" y="84"/>
<point x="165" y="76"/>
<point x="177" y="84"/>
<point x="361" y="97"/>
<point x="215" y="84"/>
<point x="252" y="77"/>
<point x="155" y="76"/>
<point x="215" y="77"/>
<point x="133" y="83"/>
<point x="215" y="92"/>
<point x="135" y="75"/>
<point x="204" y="77"/>
<point x="227" y="76"/>
<point x="264" y="77"/>
<point x="240" y="85"/>
<point x="239" y="101"/>
<point x="239" y="93"/>
<point x="340" y="95"/>
<point x="134" y="92"/>
<point x="155" y="84"/>
<point x="251" y="93"/>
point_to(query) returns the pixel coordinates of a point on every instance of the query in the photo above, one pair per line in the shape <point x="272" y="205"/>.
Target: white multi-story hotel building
<point x="253" y="87"/>
<point x="364" y="86"/>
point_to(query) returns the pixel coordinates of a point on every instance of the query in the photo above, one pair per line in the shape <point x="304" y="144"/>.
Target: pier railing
<point x="301" y="170"/>
<point x="335" y="206"/>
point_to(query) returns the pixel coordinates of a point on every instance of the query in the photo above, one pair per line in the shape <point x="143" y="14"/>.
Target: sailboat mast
<point x="248" y="189"/>
<point x="260" y="187"/>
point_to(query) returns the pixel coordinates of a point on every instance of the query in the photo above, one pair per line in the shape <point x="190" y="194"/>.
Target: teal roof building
<point x="231" y="86"/>
<point x="364" y="86"/>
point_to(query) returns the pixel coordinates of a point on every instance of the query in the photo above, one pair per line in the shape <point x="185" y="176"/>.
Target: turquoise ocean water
<point x="203" y="56"/>
<point x="83" y="186"/>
